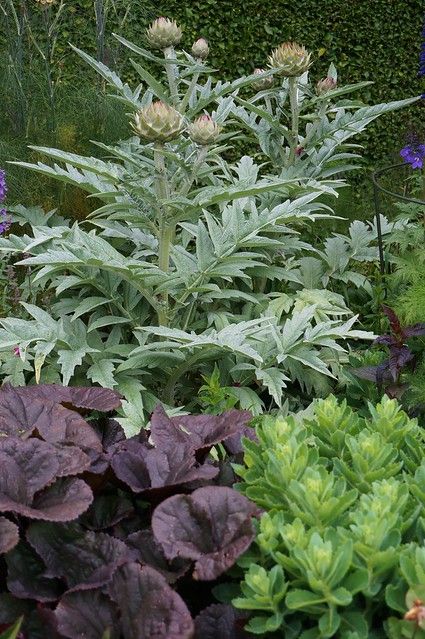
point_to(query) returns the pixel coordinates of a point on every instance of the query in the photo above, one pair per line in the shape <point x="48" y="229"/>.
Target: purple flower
<point x="414" y="154"/>
<point x="16" y="351"/>
<point x="422" y="53"/>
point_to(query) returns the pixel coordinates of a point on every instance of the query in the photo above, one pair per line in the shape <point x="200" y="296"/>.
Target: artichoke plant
<point x="325" y="85"/>
<point x="158" y="122"/>
<point x="163" y="33"/>
<point x="204" y="130"/>
<point x="290" y="59"/>
<point x="200" y="49"/>
<point x="262" y="83"/>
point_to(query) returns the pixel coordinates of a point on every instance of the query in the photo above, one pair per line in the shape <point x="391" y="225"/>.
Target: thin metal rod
<point x="379" y="228"/>
<point x="387" y="169"/>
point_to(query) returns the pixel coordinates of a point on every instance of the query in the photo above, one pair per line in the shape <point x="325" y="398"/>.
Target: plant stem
<point x="166" y="230"/>
<point x="295" y="113"/>
<point x="171" y="74"/>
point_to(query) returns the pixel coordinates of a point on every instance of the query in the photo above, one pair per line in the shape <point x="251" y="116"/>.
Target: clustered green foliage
<point x="339" y="550"/>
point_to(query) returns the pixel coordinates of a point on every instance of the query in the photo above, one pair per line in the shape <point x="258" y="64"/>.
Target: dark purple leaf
<point x="129" y="465"/>
<point x="26" y="577"/>
<point x="234" y="445"/>
<point x="27" y="467"/>
<point x="220" y="621"/>
<point x="9" y="535"/>
<point x="21" y="415"/>
<point x="11" y="608"/>
<point x="109" y="432"/>
<point x="196" y="431"/>
<point x="93" y="398"/>
<point x="413" y="331"/>
<point x="386" y="340"/>
<point x="212" y="526"/>
<point x="150" y="609"/>
<point x="107" y="511"/>
<point x="399" y="357"/>
<point x="176" y="467"/>
<point x="143" y="468"/>
<point x="71" y="460"/>
<point x="81" y="558"/>
<point x="150" y="553"/>
<point x="87" y="615"/>
<point x="394" y="321"/>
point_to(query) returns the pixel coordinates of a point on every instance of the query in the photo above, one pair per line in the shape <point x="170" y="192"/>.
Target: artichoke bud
<point x="290" y="60"/>
<point x="158" y="122"/>
<point x="204" y="130"/>
<point x="200" y="49"/>
<point x="262" y="83"/>
<point x="163" y="33"/>
<point x="325" y="85"/>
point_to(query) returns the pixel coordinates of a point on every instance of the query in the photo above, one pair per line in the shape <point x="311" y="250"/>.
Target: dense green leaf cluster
<point x="340" y="543"/>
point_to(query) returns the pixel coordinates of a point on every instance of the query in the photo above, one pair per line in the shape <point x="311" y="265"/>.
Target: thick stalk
<point x="171" y="74"/>
<point x="166" y="230"/>
<point x="295" y="114"/>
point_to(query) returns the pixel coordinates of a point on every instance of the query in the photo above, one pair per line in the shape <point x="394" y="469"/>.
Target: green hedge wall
<point x="376" y="40"/>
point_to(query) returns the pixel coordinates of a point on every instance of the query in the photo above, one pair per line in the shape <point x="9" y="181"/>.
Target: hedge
<point x="375" y="40"/>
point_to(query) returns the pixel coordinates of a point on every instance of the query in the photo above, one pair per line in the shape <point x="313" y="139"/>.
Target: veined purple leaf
<point x="27" y="482"/>
<point x="89" y="614"/>
<point x="393" y="319"/>
<point x="26" y="577"/>
<point x="143" y="468"/>
<point x="399" y="357"/>
<point x="150" y="553"/>
<point x="415" y="330"/>
<point x="84" y="559"/>
<point x="93" y="398"/>
<point x="9" y="535"/>
<point x="106" y="511"/>
<point x="220" y="621"/>
<point x="150" y="609"/>
<point x="212" y="527"/>
<point x="196" y="431"/>
<point x="21" y="415"/>
<point x="386" y="340"/>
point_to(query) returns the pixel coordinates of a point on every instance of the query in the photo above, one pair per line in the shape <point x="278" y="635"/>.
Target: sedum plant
<point x="192" y="258"/>
<point x="339" y="548"/>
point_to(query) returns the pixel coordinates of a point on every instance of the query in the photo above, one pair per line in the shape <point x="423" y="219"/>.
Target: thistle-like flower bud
<point x="262" y="83"/>
<point x="200" y="49"/>
<point x="45" y="2"/>
<point x="204" y="130"/>
<point x="158" y="122"/>
<point x="290" y="59"/>
<point x="163" y="33"/>
<point x="325" y="85"/>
